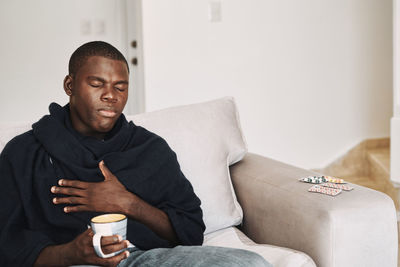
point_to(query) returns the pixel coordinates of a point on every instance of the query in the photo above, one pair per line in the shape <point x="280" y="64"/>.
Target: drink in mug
<point x="107" y="225"/>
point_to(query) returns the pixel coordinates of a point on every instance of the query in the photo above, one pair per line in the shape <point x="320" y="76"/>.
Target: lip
<point x="108" y="113"/>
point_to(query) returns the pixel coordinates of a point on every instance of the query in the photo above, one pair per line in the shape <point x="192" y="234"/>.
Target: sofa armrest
<point x="355" y="228"/>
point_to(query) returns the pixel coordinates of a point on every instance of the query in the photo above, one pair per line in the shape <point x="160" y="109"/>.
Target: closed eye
<point x="96" y="84"/>
<point x="120" y="89"/>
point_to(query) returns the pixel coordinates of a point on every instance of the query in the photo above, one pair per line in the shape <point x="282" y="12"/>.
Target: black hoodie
<point x="33" y="162"/>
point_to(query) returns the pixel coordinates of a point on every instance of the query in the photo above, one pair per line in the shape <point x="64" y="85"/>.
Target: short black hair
<point x="95" y="48"/>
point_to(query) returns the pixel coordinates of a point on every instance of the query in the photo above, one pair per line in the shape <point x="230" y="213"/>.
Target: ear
<point x="68" y="84"/>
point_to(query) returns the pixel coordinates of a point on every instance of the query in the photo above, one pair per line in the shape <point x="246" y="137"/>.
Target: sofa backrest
<point x="11" y="129"/>
<point x="207" y="138"/>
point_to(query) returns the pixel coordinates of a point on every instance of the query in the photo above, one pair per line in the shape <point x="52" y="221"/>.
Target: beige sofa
<point x="249" y="199"/>
<point x="356" y="228"/>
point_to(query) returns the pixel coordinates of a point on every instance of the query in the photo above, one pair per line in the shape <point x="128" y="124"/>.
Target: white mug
<point x="107" y="225"/>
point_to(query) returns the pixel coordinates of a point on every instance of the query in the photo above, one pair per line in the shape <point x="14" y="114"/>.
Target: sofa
<point x="256" y="203"/>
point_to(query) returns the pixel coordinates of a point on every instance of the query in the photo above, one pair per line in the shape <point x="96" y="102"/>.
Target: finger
<point x="77" y="208"/>
<point x="89" y="233"/>
<point x="73" y="183"/>
<point x="112" y="261"/>
<point x="115" y="247"/>
<point x="105" y="171"/>
<point x="69" y="200"/>
<point x="111" y="240"/>
<point x="87" y="237"/>
<point x="70" y="191"/>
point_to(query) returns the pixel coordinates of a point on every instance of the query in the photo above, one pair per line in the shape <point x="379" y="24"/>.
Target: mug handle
<point x="97" y="247"/>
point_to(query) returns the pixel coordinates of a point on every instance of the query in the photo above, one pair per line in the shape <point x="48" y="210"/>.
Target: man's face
<point x="98" y="94"/>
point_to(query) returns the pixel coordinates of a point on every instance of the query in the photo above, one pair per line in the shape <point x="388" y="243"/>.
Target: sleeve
<point x="170" y="191"/>
<point x="183" y="207"/>
<point x="19" y="246"/>
<point x="178" y="200"/>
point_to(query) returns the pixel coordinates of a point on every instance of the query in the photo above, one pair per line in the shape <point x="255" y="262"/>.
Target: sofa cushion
<point x="278" y="256"/>
<point x="207" y="138"/>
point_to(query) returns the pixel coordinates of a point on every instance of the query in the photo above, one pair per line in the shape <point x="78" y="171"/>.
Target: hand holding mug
<point x="108" y="225"/>
<point x="80" y="250"/>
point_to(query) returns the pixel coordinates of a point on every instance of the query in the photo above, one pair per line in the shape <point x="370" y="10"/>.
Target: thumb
<point x="105" y="171"/>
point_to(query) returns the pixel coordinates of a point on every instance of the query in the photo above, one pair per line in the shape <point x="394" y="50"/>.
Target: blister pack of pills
<point x="314" y="179"/>
<point x="344" y="187"/>
<point x="331" y="179"/>
<point x="321" y="179"/>
<point x="325" y="190"/>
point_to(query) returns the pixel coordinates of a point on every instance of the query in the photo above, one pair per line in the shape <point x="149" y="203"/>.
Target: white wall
<point x="37" y="39"/>
<point x="312" y="78"/>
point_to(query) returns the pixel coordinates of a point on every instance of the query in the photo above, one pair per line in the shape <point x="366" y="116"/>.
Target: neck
<point x="85" y="132"/>
<point x="79" y="126"/>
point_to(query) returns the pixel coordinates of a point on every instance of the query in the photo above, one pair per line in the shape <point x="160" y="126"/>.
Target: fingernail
<point x="126" y="243"/>
<point x="126" y="254"/>
<point x="102" y="162"/>
<point x="60" y="182"/>
<point x="53" y="189"/>
<point x="54" y="200"/>
<point x="65" y="209"/>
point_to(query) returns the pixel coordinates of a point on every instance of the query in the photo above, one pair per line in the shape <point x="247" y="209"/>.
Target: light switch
<point x="214" y="11"/>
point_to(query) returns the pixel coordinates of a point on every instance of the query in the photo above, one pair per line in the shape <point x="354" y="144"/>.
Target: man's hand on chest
<point x="108" y="196"/>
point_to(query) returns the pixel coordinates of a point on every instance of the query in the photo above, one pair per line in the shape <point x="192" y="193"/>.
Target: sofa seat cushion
<point x="278" y="256"/>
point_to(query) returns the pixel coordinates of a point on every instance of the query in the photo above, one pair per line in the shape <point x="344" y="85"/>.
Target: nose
<point x="109" y="94"/>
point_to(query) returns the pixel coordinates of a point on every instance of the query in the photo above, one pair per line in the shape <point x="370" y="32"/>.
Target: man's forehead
<point x="100" y="64"/>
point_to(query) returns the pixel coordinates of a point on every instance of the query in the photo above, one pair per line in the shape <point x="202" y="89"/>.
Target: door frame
<point x="395" y="121"/>
<point x="130" y="14"/>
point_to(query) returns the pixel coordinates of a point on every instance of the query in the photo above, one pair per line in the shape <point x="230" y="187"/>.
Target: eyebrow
<point x="104" y="81"/>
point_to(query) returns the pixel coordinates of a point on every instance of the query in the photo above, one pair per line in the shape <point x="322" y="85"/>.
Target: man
<point x="85" y="159"/>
